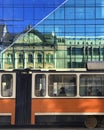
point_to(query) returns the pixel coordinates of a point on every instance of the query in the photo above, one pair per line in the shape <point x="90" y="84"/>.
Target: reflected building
<point x="30" y="50"/>
<point x="47" y="51"/>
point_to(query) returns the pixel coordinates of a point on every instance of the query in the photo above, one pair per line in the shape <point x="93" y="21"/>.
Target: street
<point x="51" y="129"/>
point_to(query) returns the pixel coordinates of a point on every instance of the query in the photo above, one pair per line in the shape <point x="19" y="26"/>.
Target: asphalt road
<point x="51" y="129"/>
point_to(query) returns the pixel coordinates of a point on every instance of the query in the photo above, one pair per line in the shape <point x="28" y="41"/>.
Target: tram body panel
<point x="7" y="107"/>
<point x="32" y="97"/>
<point x="66" y="106"/>
<point x="7" y="97"/>
<point x="76" y="101"/>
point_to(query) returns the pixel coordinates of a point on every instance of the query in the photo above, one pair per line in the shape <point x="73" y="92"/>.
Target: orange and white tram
<point x="64" y="97"/>
<point x="52" y="98"/>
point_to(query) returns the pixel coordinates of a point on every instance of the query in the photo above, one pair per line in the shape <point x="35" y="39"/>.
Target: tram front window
<point x="92" y="85"/>
<point x="40" y="85"/>
<point x="62" y="85"/>
<point x="6" y="85"/>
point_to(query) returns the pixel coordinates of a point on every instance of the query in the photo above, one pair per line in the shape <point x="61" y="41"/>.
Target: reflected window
<point x="40" y="85"/>
<point x="30" y="58"/>
<point x="9" y="58"/>
<point x="68" y="51"/>
<point x="47" y="58"/>
<point x="96" y="51"/>
<point x="51" y="58"/>
<point x="77" y="51"/>
<point x="39" y="58"/>
<point x="92" y="85"/>
<point x="6" y="85"/>
<point x="62" y="85"/>
<point x="21" y="58"/>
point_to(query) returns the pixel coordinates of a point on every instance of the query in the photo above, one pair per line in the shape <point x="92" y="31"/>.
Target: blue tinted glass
<point x="1" y="12"/>
<point x="80" y="28"/>
<point x="99" y="21"/>
<point x="26" y="15"/>
<point x="79" y="22"/>
<point x="8" y="14"/>
<point x="1" y="3"/>
<point x="59" y="14"/>
<point x="32" y="11"/>
<point x="90" y="13"/>
<point x="100" y="2"/>
<point x="80" y="2"/>
<point x="80" y="13"/>
<point x="71" y="3"/>
<point x="91" y="21"/>
<point x="51" y="16"/>
<point x="99" y="28"/>
<point x="99" y="12"/>
<point x="90" y="2"/>
<point x="90" y="28"/>
<point x="7" y="2"/>
<point x="20" y="15"/>
<point x="69" y="13"/>
<point x="70" y="28"/>
<point x="19" y="2"/>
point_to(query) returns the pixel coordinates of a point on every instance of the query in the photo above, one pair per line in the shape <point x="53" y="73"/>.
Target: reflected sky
<point x="74" y="18"/>
<point x="17" y="14"/>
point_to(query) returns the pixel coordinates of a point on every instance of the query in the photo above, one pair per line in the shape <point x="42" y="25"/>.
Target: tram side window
<point x="40" y="85"/>
<point x="6" y="85"/>
<point x="92" y="85"/>
<point x="62" y="85"/>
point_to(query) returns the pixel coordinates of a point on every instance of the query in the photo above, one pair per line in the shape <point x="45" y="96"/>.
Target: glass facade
<point x="67" y="34"/>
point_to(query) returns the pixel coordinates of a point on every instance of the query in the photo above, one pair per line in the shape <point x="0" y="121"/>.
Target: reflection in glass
<point x="74" y="24"/>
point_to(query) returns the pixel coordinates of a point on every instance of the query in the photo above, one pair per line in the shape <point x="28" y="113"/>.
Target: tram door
<point x="23" y="99"/>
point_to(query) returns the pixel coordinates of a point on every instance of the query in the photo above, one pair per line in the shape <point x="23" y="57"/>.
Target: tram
<point x="52" y="97"/>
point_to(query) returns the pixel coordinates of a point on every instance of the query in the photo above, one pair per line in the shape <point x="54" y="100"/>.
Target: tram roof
<point x="95" y="65"/>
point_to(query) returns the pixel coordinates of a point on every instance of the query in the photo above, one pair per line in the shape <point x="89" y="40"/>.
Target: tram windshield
<point x="62" y="85"/>
<point x="92" y="85"/>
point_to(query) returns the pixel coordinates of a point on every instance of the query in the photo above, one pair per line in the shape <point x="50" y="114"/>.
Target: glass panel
<point x="40" y="85"/>
<point x="9" y="58"/>
<point x="39" y="58"/>
<point x="21" y="58"/>
<point x="92" y="85"/>
<point x="26" y="31"/>
<point x="6" y="85"/>
<point x="95" y="51"/>
<point x="62" y="85"/>
<point x="77" y="51"/>
<point x="30" y="58"/>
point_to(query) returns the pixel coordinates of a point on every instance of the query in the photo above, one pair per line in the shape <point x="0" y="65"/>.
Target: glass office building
<point x="68" y="35"/>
